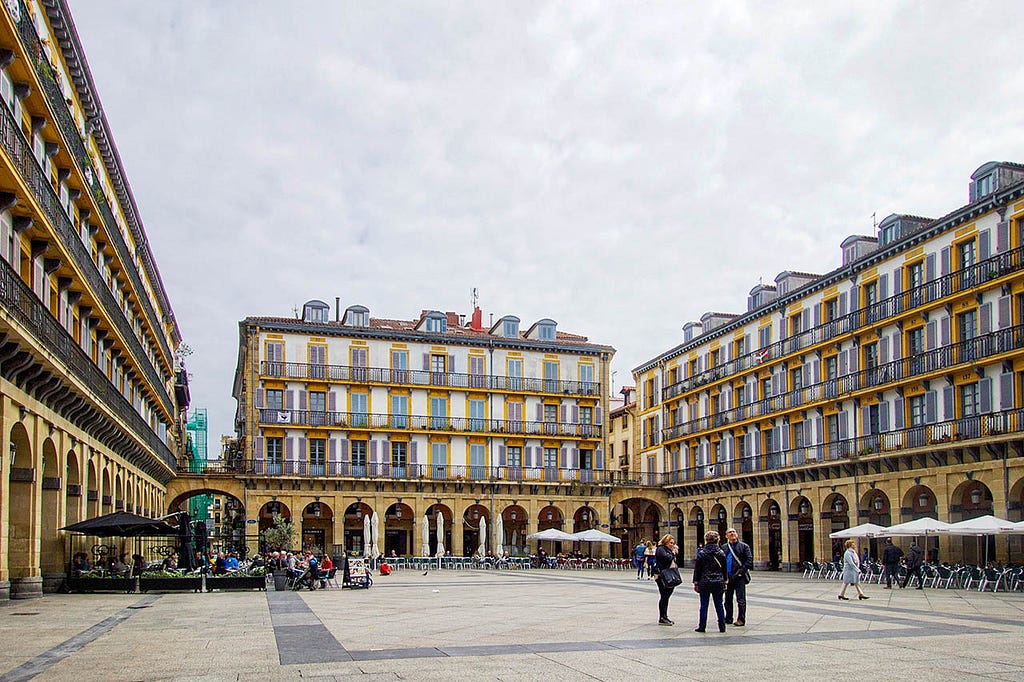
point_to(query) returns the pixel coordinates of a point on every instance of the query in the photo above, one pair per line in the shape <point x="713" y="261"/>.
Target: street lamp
<point x="805" y="508"/>
<point x="922" y="500"/>
<point x="877" y="503"/>
<point x="975" y="496"/>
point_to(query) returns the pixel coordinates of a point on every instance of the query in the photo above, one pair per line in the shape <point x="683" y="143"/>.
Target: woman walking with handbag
<point x="851" y="571"/>
<point x="667" y="575"/>
<point x="709" y="580"/>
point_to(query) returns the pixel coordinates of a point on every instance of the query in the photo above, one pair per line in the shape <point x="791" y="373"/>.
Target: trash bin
<point x="280" y="581"/>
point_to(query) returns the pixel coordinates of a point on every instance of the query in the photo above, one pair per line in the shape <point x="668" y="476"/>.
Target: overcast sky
<point x="618" y="167"/>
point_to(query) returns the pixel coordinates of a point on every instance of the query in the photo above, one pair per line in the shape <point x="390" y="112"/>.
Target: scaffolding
<point x="197" y="438"/>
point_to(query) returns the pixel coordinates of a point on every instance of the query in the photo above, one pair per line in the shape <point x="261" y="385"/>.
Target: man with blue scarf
<point x="739" y="559"/>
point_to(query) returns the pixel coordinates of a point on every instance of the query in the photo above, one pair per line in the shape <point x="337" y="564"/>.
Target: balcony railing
<point x="380" y="375"/>
<point x="955" y="282"/>
<point x="391" y="422"/>
<point x="964" y="429"/>
<point x="76" y="147"/>
<point x="19" y="150"/>
<point x="871" y="378"/>
<point x="21" y="303"/>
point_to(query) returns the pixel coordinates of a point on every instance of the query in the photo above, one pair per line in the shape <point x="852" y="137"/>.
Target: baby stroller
<point x="307" y="578"/>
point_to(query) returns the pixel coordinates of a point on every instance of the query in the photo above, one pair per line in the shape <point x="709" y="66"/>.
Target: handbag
<point x="670" y="577"/>
<point x="746" y="573"/>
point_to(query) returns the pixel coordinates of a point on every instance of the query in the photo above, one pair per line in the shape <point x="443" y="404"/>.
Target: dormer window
<point x="357" y="316"/>
<point x="546" y="332"/>
<point x="316" y="311"/>
<point x="983" y="186"/>
<point x="510" y="328"/>
<point x="436" y="323"/>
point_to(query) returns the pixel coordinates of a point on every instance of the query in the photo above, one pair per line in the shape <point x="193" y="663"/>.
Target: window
<point x="587" y="379"/>
<point x="510" y="329"/>
<point x="476" y="371"/>
<point x="769" y="446"/>
<point x="439" y="459"/>
<point x="546" y="332"/>
<point x="796" y="379"/>
<point x="438" y="369"/>
<point x="515" y="456"/>
<point x="315" y="312"/>
<point x="766" y="388"/>
<point x="515" y="374"/>
<point x="477" y="415"/>
<point x="437" y="324"/>
<point x="477" y="461"/>
<point x="870" y="294"/>
<point x="586" y="415"/>
<point x="586" y="459"/>
<point x="764" y="336"/>
<point x="551" y="458"/>
<point x="871" y="360"/>
<point x="438" y="412"/>
<point x="358" y="406"/>
<point x="969" y="406"/>
<point x="716" y="357"/>
<point x="983" y="186"/>
<point x="740" y="347"/>
<point x="275" y="399"/>
<point x="795" y="327"/>
<point x="317" y="408"/>
<point x="550" y="416"/>
<point x="317" y="456"/>
<point x="915" y="282"/>
<point x="399" y="457"/>
<point x="399" y="366"/>
<point x="400" y="411"/>
<point x="797" y="435"/>
<point x="550" y="376"/>
<point x="359" y="457"/>
<point x="967" y="326"/>
<point x="275" y="357"/>
<point x="915" y="349"/>
<point x="275" y="455"/>
<point x="514" y="415"/>
<point x="740" y="394"/>
<point x="917" y="410"/>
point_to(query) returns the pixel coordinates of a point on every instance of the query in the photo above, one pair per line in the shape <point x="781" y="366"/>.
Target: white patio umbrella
<point x="1018" y="528"/>
<point x="551" y="534"/>
<point x="482" y="550"/>
<point x="594" y="535"/>
<point x="375" y="535"/>
<point x="425" y="535"/>
<point x="367" y="539"/>
<point x="915" y="528"/>
<point x="864" y="530"/>
<point x="499" y="537"/>
<point x="983" y="525"/>
<point x="440" y="534"/>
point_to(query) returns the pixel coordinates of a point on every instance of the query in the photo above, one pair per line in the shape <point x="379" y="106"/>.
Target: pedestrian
<point x="649" y="551"/>
<point x="668" y="575"/>
<point x="739" y="560"/>
<point x="709" y="580"/>
<point x="891" y="556"/>
<point x="638" y="559"/>
<point x="914" y="561"/>
<point x="851" y="571"/>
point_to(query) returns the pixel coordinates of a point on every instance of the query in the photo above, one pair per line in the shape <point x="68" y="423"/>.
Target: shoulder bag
<point x="670" y="577"/>
<point x="746" y="571"/>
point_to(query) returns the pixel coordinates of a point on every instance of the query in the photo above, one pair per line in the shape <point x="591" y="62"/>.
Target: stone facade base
<point x="27" y="588"/>
<point x="5" y="591"/>
<point x="52" y="582"/>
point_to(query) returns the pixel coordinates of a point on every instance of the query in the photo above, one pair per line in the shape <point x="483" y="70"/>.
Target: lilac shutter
<point x="985" y="319"/>
<point x="540" y="412"/>
<point x="947" y="402"/>
<point x="985" y="395"/>
<point x="259" y="397"/>
<point x="883" y="287"/>
<point x="1002" y="236"/>
<point x="897" y="281"/>
<point x="929" y="267"/>
<point x="883" y="349"/>
<point x="373" y="452"/>
<point x="854" y="360"/>
<point x="944" y="331"/>
<point x="451" y="363"/>
<point x="897" y="352"/>
<point x="332" y="450"/>
<point x="929" y="336"/>
<point x="842" y="304"/>
<point x="865" y="420"/>
<point x="597" y="419"/>
<point x="288" y="448"/>
<point x="561" y="414"/>
<point x="332" y="401"/>
<point x="302" y="449"/>
<point x="599" y="457"/>
<point x="844" y="432"/>
<point x="898" y="413"/>
<point x="259" y="447"/>
<point x="984" y="244"/>
<point x="1006" y="391"/>
<point x="883" y="417"/>
<point x="944" y="263"/>
<point x="930" y="407"/>
<point x="289" y="399"/>
<point x="344" y="449"/>
<point x="563" y="458"/>
<point x="426" y="361"/>
<point x="574" y="458"/>
<point x="575" y="414"/>
<point x="1004" y="312"/>
<point x="501" y="455"/>
<point x="412" y="452"/>
<point x="302" y="400"/>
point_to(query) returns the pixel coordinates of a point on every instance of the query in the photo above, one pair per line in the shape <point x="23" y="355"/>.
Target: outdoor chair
<point x="974" y="575"/>
<point x="330" y="580"/>
<point x="990" y="576"/>
<point x="808" y="569"/>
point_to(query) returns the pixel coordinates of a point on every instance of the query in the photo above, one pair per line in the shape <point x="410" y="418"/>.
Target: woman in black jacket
<point x="664" y="555"/>
<point x="709" y="579"/>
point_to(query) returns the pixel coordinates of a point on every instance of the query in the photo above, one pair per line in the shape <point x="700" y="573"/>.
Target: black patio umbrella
<point x="199" y="535"/>
<point x="186" y="554"/>
<point x="122" y="524"/>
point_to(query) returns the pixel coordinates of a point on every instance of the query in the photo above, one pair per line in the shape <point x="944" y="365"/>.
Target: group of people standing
<point x="891" y="557"/>
<point x="719" y="571"/>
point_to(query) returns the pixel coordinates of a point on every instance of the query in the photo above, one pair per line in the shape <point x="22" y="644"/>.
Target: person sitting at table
<point x="79" y="564"/>
<point x="231" y="562"/>
<point x="118" y="566"/>
<point x="170" y="563"/>
<point x="138" y="565"/>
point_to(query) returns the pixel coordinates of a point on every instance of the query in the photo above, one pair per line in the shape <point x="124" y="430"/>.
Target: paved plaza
<point x="515" y="625"/>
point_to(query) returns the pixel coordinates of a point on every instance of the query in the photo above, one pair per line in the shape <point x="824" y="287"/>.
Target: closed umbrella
<point x="499" y="537"/>
<point x="440" y="534"/>
<point x="482" y="551"/>
<point x="425" y="536"/>
<point x="375" y="535"/>
<point x="367" y="540"/>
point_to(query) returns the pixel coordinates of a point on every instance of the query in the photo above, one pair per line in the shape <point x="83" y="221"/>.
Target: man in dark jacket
<point x="914" y="561"/>
<point x="891" y="556"/>
<point x="739" y="559"/>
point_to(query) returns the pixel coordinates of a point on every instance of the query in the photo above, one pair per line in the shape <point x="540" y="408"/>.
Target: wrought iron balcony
<point x="21" y="303"/>
<point x="385" y="376"/>
<point x="969" y="278"/>
<point x="876" y="378"/>
<point x="20" y="151"/>
<point x="73" y="138"/>
<point x="403" y="422"/>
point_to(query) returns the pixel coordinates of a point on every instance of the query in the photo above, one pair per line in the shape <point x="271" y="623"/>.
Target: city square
<point x="512" y="625"/>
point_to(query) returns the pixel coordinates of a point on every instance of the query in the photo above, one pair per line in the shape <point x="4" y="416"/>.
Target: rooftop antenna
<point x="474" y="297"/>
<point x="295" y="311"/>
<point x="874" y="221"/>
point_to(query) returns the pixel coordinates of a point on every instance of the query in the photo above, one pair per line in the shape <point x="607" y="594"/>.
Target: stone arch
<point x="698" y="523"/>
<point x="801" y="527"/>
<point x="471" y="529"/>
<point x="918" y="502"/>
<point x="447" y="520"/>
<point x="51" y="545"/>
<point x="22" y="555"/>
<point x="92" y="490"/>
<point x="106" y="492"/>
<point x="835" y="516"/>
<point x="72" y="488"/>
<point x="317" y="527"/>
<point x="119" y="492"/>
<point x="969" y="500"/>
<point x="515" y="522"/>
<point x="636" y="520"/>
<point x="875" y="507"/>
<point x="584" y="518"/>
<point x="770" y="524"/>
<point x="743" y="522"/>
<point x="399" y="527"/>
<point x="719" y="520"/>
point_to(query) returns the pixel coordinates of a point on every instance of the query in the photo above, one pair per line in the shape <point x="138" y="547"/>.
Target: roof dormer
<point x="316" y="311"/>
<point x="356" y="316"/>
<point x="760" y="295"/>
<point x="543" y="330"/>
<point x="507" y="327"/>
<point x="433" y="321"/>
<point x="993" y="176"/>
<point x="857" y="246"/>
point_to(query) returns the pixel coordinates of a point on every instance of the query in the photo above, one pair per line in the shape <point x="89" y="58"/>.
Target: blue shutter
<point x="984" y="244"/>
<point x="898" y="413"/>
<point x="929" y="267"/>
<point x="288" y="448"/>
<point x="344" y="449"/>
<point x="302" y="400"/>
<point x="883" y="287"/>
<point x="844" y="431"/>
<point x="302" y="449"/>
<point x="599" y="459"/>
<point x="259" y="397"/>
<point x="373" y="451"/>
<point x="1002" y="236"/>
<point x="842" y="304"/>
<point x="947" y="402"/>
<point x="897" y="281"/>
<point x="412" y="452"/>
<point x="451" y="363"/>
<point x="929" y="336"/>
<point x="501" y="455"/>
<point x="575" y="414"/>
<point x="426" y="361"/>
<point x="1006" y="391"/>
<point x="561" y="414"/>
<point x="944" y="263"/>
<point x="332" y="401"/>
<point x="985" y="395"/>
<point x="883" y="349"/>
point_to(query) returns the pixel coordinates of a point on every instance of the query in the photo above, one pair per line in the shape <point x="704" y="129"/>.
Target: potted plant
<point x="255" y="579"/>
<point x="167" y="581"/>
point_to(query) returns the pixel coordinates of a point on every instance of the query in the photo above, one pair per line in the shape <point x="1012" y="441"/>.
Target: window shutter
<point x="302" y="400"/>
<point x="259" y="397"/>
<point x="597" y="419"/>
<point x="563" y="458"/>
<point x="775" y="383"/>
<point x="599" y="459"/>
<point x="883" y="350"/>
<point x="289" y="449"/>
<point x="451" y="363"/>
<point x="947" y="402"/>
<point x="575" y="414"/>
<point x="929" y="336"/>
<point x="985" y="395"/>
<point x="984" y="244"/>
<point x="883" y="416"/>
<point x="412" y="452"/>
<point x="985" y="319"/>
<point x="817" y="371"/>
<point x="344" y="449"/>
<point x="332" y="449"/>
<point x="944" y="262"/>
<point x="302" y="449"/>
<point x="332" y="401"/>
<point x="561" y="414"/>
<point x="898" y="413"/>
<point x="1004" y="312"/>
<point x="808" y="436"/>
<point x="842" y="304"/>
<point x="883" y="287"/>
<point x="501" y="455"/>
<point x="1006" y="391"/>
<point x="818" y="422"/>
<point x="540" y="412"/>
<point x="289" y="399"/>
<point x="373" y="451"/>
<point x="897" y="281"/>
<point x="756" y="438"/>
<point x="259" y="447"/>
<point x="426" y="361"/>
<point x="843" y="362"/>
<point x="929" y="267"/>
<point x="854" y="360"/>
<point x="785" y="437"/>
<point x="865" y="420"/>
<point x="1002" y="236"/>
<point x="897" y="352"/>
<point x="930" y="407"/>
<point x="944" y="331"/>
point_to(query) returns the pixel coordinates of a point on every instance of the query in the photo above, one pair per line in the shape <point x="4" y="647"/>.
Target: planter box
<point x="193" y="583"/>
<point x="242" y="582"/>
<point x="100" y="584"/>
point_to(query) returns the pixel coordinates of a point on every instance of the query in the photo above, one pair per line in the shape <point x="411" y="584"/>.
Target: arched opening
<point x="970" y="500"/>
<point x="719" y="521"/>
<point x="513" y="522"/>
<point x="398" y="529"/>
<point x="584" y="518"/>
<point x="447" y="516"/>
<point x="698" y="524"/>
<point x="471" y="529"/>
<point x="550" y="517"/>
<point x="355" y="515"/>
<point x="746" y="523"/>
<point x="224" y="517"/>
<point x="771" y="526"/>
<point x="876" y="504"/>
<point x="635" y="520"/>
<point x="106" y="494"/>
<point x="836" y="516"/>
<point x="118" y="493"/>
<point x="21" y="556"/>
<point x="72" y="489"/>
<point x="920" y="502"/>
<point x="317" y="527"/>
<point x="802" y="526"/>
<point x="51" y="545"/>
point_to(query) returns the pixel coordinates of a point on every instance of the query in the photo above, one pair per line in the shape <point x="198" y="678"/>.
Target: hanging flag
<point x="284" y="417"/>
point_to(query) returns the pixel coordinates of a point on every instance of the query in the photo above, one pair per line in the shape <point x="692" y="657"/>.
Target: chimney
<point x="477" y="321"/>
<point x="453" y="319"/>
<point x="337" y="308"/>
